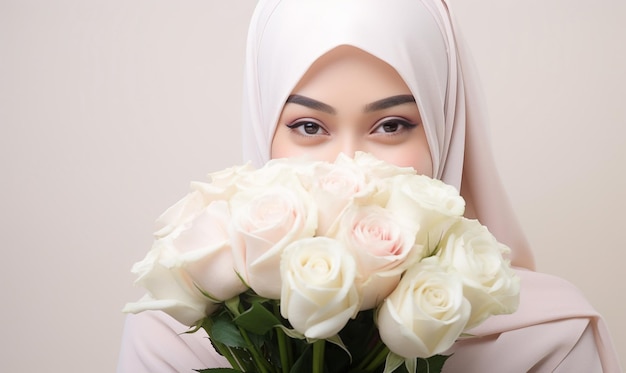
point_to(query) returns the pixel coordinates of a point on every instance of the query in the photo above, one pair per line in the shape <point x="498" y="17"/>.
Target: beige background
<point x="108" y="108"/>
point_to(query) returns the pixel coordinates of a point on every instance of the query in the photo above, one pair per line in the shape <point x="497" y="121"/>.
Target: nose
<point x="349" y="145"/>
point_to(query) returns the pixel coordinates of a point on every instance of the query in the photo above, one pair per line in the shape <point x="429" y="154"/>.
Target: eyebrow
<point x="382" y="104"/>
<point x="388" y="102"/>
<point x="311" y="103"/>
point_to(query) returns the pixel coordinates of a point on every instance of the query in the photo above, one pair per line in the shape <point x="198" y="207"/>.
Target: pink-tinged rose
<point x="222" y="187"/>
<point x="265" y="221"/>
<point x="430" y="203"/>
<point x="490" y="284"/>
<point x="170" y="290"/>
<point x="179" y="214"/>
<point x="223" y="184"/>
<point x="425" y="314"/>
<point x="230" y="177"/>
<point x="333" y="187"/>
<point x="318" y="294"/>
<point x="205" y="252"/>
<point x="383" y="246"/>
<point x="377" y="169"/>
<point x="282" y="171"/>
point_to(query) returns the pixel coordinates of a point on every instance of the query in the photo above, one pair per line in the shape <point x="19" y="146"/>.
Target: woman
<point x="389" y="77"/>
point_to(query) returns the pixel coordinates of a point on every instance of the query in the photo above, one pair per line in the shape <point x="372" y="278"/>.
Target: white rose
<point x="381" y="244"/>
<point x="170" y="290"/>
<point x="318" y="294"/>
<point x="299" y="165"/>
<point x="222" y="186"/>
<point x="281" y="171"/>
<point x="425" y="314"/>
<point x="179" y="214"/>
<point x="428" y="202"/>
<point x="333" y="187"/>
<point x="265" y="221"/>
<point x="490" y="284"/>
<point x="230" y="177"/>
<point x="204" y="250"/>
<point x="375" y="168"/>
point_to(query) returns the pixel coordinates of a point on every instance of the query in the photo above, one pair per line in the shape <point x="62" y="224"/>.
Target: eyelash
<point x="405" y="124"/>
<point x="297" y="127"/>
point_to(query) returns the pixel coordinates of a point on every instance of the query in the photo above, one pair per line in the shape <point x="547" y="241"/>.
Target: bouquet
<point x="308" y="266"/>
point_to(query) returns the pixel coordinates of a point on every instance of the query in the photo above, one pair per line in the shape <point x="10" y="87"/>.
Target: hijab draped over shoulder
<point x="416" y="38"/>
<point x="421" y="41"/>
<point x="554" y="330"/>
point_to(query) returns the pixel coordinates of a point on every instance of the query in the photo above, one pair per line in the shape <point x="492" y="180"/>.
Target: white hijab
<point x="418" y="39"/>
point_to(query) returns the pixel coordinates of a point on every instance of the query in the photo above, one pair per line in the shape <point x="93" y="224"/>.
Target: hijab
<point x="419" y="39"/>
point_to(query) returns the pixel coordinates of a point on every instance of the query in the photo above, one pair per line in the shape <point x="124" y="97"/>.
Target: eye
<point x="393" y="125"/>
<point x="307" y="127"/>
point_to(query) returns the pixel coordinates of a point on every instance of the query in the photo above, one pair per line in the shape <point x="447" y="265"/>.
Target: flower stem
<point x="261" y="363"/>
<point x="234" y="362"/>
<point x="369" y="357"/>
<point x="237" y="308"/>
<point x="284" y="344"/>
<point x="378" y="360"/>
<point x="318" y="356"/>
<point x="226" y="351"/>
<point x="284" y="349"/>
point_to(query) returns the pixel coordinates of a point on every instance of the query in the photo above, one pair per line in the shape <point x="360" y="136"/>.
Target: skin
<point x="351" y="101"/>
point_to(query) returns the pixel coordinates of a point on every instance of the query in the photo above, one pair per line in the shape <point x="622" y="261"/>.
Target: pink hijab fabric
<point x="420" y="40"/>
<point x="416" y="38"/>
<point x="555" y="328"/>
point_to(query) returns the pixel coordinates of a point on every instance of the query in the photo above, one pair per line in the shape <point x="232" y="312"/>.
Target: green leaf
<point x="433" y="364"/>
<point x="411" y="365"/>
<point x="233" y="305"/>
<point x="227" y="333"/>
<point x="393" y="362"/>
<point x="243" y="280"/>
<point x="196" y="327"/>
<point x="304" y="362"/>
<point x="257" y="319"/>
<point x="336" y="340"/>
<point x="257" y="340"/>
<point x="218" y="370"/>
<point x="466" y="336"/>
<point x="291" y="333"/>
<point x="207" y="294"/>
<point x="252" y="297"/>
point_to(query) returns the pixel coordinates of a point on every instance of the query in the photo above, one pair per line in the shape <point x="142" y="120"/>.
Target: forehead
<point x="287" y="37"/>
<point x="347" y="70"/>
<point x="292" y="35"/>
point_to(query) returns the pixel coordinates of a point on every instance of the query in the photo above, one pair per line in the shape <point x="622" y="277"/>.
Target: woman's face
<point x="351" y="101"/>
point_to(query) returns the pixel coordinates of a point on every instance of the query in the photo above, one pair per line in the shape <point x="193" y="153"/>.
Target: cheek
<point x="281" y="147"/>
<point x="420" y="160"/>
<point x="415" y="153"/>
<point x="287" y="145"/>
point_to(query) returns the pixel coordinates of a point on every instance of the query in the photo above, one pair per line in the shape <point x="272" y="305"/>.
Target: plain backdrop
<point x="109" y="108"/>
